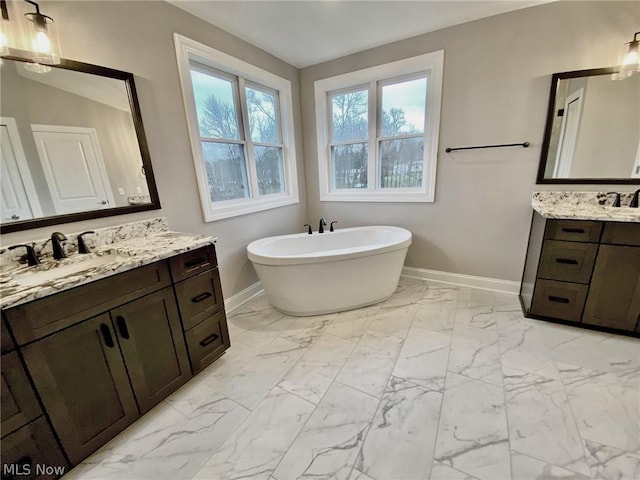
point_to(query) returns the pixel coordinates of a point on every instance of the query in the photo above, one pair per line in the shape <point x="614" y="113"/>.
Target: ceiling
<point x="305" y="33"/>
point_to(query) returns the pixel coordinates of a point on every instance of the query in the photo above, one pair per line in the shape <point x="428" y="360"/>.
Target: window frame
<point x="431" y="64"/>
<point x="247" y="75"/>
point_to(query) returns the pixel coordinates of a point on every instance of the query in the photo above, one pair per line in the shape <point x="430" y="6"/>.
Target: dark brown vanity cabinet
<point x="102" y="354"/>
<point x="27" y="440"/>
<point x="585" y="272"/>
<point x="201" y="305"/>
<point x="83" y="383"/>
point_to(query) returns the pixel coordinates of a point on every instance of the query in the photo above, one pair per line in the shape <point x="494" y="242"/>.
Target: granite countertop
<point x="584" y="206"/>
<point x="122" y="256"/>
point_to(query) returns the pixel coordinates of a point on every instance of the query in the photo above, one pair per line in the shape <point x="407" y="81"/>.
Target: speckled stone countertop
<point x="131" y="251"/>
<point x="584" y="206"/>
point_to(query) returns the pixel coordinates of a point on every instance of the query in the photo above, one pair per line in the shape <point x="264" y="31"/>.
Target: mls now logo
<point x="25" y="469"/>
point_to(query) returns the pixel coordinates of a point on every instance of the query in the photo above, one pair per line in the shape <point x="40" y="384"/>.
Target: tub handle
<point x="309" y="231"/>
<point x="201" y="297"/>
<point x="331" y="226"/>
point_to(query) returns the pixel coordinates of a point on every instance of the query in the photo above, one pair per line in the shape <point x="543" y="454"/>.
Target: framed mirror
<point x="73" y="145"/>
<point x="592" y="133"/>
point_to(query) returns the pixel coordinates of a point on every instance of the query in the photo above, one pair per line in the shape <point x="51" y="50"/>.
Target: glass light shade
<point x="629" y="59"/>
<point x="44" y="39"/>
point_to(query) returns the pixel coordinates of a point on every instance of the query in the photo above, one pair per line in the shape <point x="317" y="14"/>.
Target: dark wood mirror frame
<point x="549" y="125"/>
<point x="127" y="78"/>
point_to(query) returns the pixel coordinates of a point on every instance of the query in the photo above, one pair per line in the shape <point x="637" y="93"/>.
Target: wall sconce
<point x="35" y="37"/>
<point x="629" y="61"/>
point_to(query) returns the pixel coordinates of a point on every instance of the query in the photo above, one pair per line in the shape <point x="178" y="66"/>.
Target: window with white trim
<point x="241" y="128"/>
<point x="377" y="131"/>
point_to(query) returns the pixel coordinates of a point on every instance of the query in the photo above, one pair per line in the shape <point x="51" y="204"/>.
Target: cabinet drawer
<point x="622" y="234"/>
<point x="567" y="261"/>
<point x="32" y="446"/>
<point x="573" y="230"/>
<point x="207" y="341"/>
<point x="560" y="300"/>
<point x="199" y="297"/>
<point x="39" y="318"/>
<point x="192" y="263"/>
<point x="19" y="402"/>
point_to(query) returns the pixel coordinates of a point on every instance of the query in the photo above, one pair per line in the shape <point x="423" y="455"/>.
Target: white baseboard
<point x="242" y="297"/>
<point x="483" y="283"/>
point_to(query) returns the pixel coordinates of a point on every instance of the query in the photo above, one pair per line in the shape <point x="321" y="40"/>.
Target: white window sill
<point x="391" y="197"/>
<point x="249" y="206"/>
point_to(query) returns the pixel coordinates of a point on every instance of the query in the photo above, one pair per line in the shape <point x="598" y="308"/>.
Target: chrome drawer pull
<point x="558" y="299"/>
<point x="567" y="261"/>
<point x="201" y="297"/>
<point x="210" y="339"/>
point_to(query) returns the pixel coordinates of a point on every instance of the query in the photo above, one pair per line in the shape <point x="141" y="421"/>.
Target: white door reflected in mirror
<point x="73" y="167"/>
<point x="19" y="197"/>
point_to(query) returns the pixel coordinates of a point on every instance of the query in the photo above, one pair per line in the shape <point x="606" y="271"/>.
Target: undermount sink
<point x="52" y="271"/>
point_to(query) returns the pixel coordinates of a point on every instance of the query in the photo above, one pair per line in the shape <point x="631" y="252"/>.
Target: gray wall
<point x="497" y="73"/>
<point x="138" y="37"/>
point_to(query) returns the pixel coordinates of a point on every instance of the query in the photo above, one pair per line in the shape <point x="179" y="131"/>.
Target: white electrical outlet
<point x="121" y="190"/>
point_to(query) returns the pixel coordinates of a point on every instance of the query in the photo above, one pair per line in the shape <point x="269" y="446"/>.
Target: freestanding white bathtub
<point x="329" y="272"/>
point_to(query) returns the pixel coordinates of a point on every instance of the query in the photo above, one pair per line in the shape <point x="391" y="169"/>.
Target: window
<point x="377" y="131"/>
<point x="241" y="128"/>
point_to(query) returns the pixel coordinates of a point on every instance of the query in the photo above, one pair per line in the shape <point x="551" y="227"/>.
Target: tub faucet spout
<point x="322" y="225"/>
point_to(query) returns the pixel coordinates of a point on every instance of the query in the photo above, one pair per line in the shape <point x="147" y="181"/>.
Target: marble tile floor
<point x="439" y="382"/>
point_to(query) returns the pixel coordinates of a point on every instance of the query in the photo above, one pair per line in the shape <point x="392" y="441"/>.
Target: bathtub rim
<point x="376" y="249"/>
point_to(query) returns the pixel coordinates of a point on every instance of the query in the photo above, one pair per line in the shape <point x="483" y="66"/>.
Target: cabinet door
<point x="83" y="384"/>
<point x="19" y="402"/>
<point x="152" y="342"/>
<point x="614" y="295"/>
